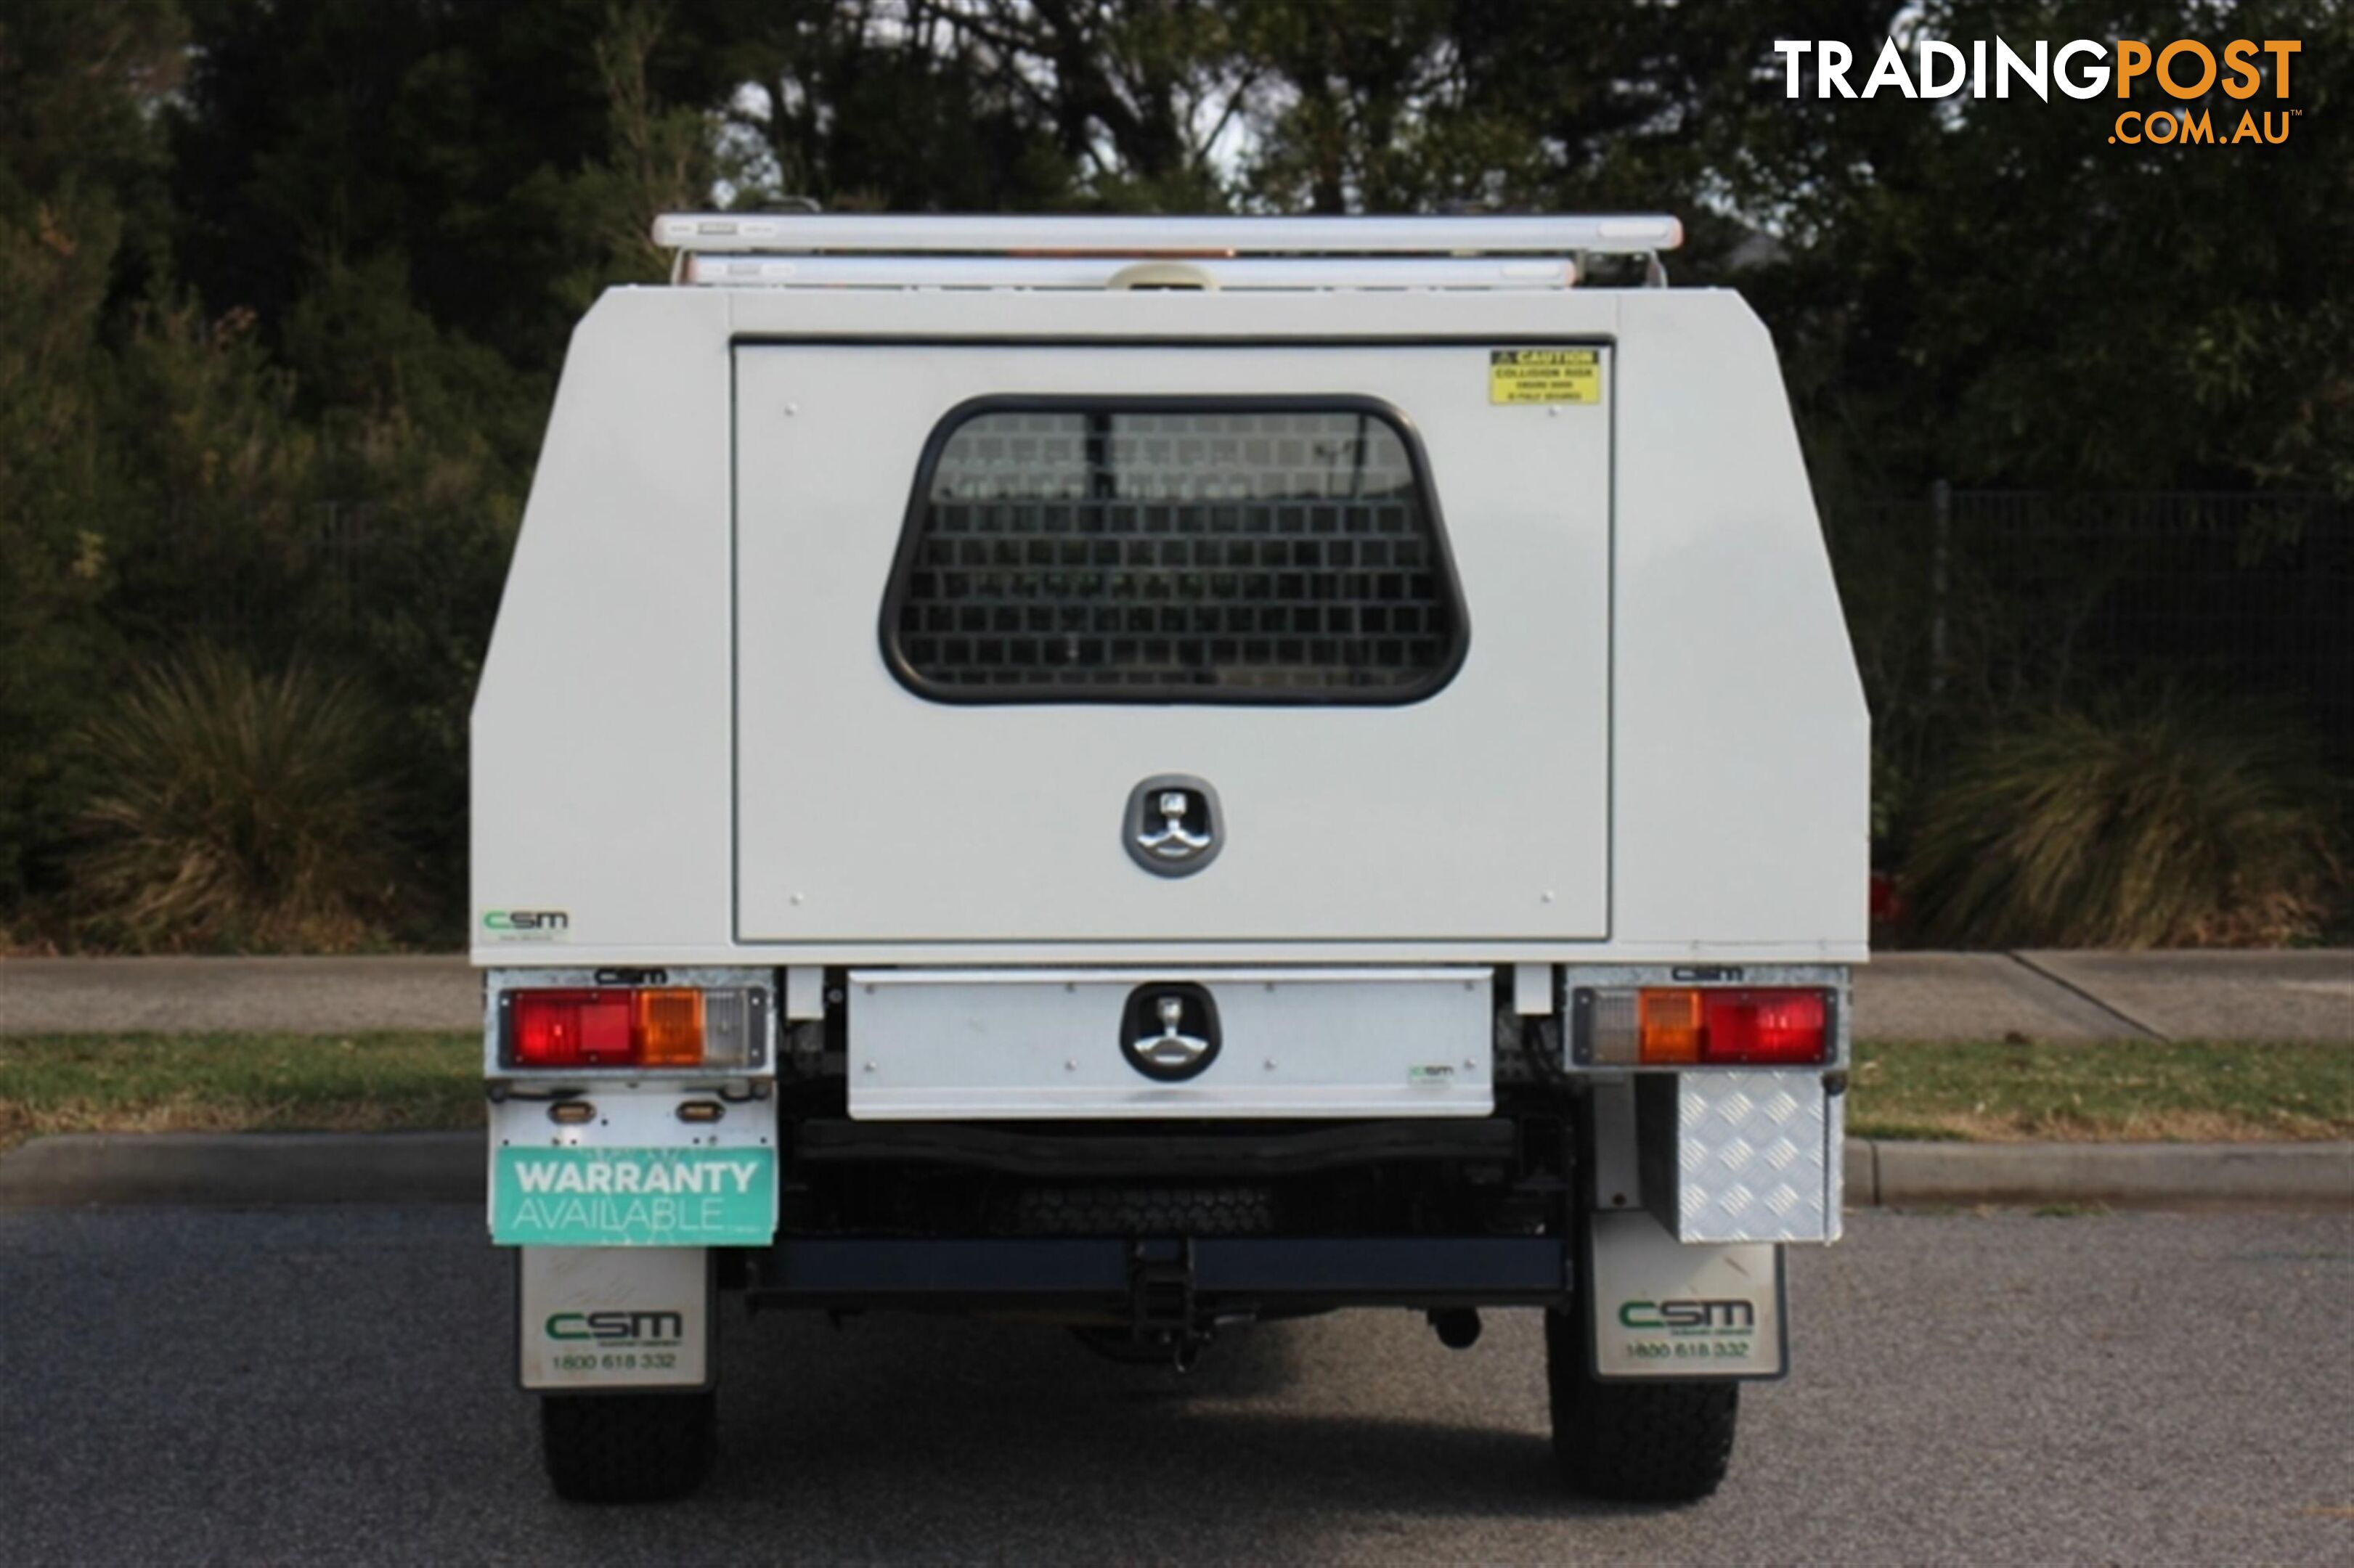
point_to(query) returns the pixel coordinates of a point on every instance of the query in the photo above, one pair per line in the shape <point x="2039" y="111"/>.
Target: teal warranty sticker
<point x="634" y="1197"/>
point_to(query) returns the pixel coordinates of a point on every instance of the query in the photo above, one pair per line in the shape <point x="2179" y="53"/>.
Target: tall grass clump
<point x="2174" y="822"/>
<point x="239" y="810"/>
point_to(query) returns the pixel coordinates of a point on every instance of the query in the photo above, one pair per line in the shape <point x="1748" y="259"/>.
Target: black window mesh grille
<point x="1203" y="553"/>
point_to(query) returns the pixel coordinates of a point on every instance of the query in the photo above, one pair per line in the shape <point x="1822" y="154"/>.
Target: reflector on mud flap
<point x="599" y="1317"/>
<point x="1665" y="1309"/>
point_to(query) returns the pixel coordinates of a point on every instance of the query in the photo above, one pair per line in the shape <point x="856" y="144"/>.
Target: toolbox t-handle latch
<point x="1173" y="837"/>
<point x="1172" y="1047"/>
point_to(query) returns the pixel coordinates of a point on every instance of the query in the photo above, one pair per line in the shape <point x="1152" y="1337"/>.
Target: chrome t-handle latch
<point x="1172" y="1047"/>
<point x="1174" y="841"/>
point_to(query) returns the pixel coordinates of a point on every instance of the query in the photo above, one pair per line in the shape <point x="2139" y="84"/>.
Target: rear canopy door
<point x="999" y="608"/>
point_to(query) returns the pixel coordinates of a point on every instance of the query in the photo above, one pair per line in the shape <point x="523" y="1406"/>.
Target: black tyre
<point x="627" y="1448"/>
<point x="1635" y="1441"/>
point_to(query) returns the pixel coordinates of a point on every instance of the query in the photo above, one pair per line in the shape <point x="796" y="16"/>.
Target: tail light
<point x="1779" y="1027"/>
<point x="630" y="1026"/>
<point x="1677" y="1025"/>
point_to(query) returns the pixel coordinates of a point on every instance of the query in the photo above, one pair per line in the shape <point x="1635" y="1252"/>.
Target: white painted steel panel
<point x="804" y="993"/>
<point x="867" y="813"/>
<point x="968" y="1044"/>
<point x="1756" y="1157"/>
<point x="1532" y="990"/>
<point x="1742" y="751"/>
<point x="603" y="706"/>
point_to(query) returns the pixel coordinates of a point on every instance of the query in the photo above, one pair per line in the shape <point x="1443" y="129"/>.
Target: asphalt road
<point x="333" y="1384"/>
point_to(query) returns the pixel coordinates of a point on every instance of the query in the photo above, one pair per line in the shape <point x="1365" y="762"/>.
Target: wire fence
<point x="269" y="592"/>
<point x="330" y="583"/>
<point x="1968" y="606"/>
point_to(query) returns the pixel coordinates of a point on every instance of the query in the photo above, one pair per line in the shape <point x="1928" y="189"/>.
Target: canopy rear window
<point x="1193" y="550"/>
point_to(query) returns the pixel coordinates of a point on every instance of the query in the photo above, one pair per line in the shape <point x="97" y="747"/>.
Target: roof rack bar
<point x="745" y="268"/>
<point x="908" y="233"/>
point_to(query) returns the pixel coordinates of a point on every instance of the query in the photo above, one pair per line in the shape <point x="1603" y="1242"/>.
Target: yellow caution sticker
<point x="1544" y="376"/>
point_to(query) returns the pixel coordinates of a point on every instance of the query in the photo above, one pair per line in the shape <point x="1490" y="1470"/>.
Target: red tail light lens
<point x="1765" y="1027"/>
<point x="571" y="1029"/>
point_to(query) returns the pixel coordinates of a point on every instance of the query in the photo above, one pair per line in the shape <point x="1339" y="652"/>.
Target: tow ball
<point x="1164" y="1324"/>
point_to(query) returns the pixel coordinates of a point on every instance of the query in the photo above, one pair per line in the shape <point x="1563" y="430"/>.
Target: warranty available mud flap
<point x="613" y="1318"/>
<point x="634" y="1173"/>
<point x="1658" y="1308"/>
<point x="634" y="1197"/>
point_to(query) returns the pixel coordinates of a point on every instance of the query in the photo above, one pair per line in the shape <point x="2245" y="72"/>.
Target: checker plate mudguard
<point x="1758" y="1157"/>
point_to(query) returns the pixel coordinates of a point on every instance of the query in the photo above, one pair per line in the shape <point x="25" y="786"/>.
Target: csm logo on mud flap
<point x="617" y="1328"/>
<point x="1726" y="1316"/>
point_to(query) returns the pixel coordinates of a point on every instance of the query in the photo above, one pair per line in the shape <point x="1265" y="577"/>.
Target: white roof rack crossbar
<point x="910" y="233"/>
<point x="1095" y="273"/>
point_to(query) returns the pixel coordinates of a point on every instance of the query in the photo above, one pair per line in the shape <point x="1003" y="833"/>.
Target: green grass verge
<point x="2126" y="1090"/>
<point x="1981" y="1091"/>
<point x="222" y="1083"/>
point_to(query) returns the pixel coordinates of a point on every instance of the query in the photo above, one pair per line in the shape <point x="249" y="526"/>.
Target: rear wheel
<point x="1635" y="1441"/>
<point x="627" y="1448"/>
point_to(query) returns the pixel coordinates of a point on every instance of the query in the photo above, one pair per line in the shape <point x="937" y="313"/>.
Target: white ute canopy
<point x="884" y="585"/>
